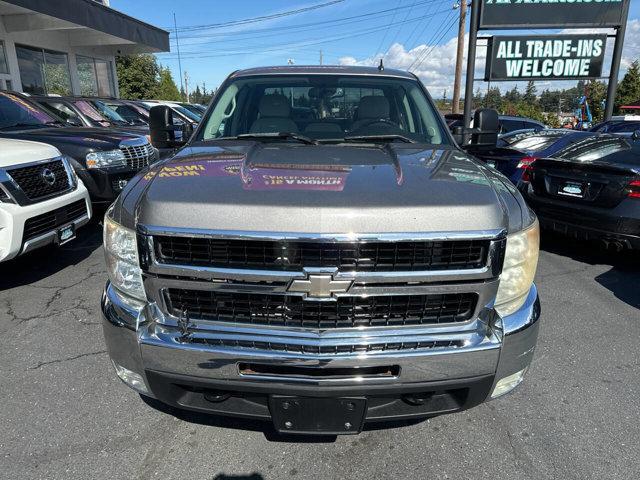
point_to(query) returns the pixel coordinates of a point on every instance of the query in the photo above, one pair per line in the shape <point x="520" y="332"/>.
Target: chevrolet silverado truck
<point x="42" y="201"/>
<point x="321" y="254"/>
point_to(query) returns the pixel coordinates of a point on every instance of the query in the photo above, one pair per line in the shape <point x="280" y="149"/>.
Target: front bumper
<point x="211" y="379"/>
<point x="13" y="218"/>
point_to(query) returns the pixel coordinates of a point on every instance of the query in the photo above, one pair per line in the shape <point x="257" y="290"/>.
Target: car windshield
<point x="108" y="113"/>
<point x="187" y="113"/>
<point x="532" y="142"/>
<point x="327" y="108"/>
<point x="127" y="112"/>
<point x="18" y="113"/>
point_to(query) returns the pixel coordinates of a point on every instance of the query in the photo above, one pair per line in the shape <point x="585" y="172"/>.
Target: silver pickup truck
<point x="321" y="254"/>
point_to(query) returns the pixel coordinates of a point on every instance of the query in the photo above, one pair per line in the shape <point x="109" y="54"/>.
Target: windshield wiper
<point x="278" y="135"/>
<point x="383" y="138"/>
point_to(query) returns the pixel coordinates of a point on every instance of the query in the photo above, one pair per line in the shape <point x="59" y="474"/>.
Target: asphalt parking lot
<point x="65" y="415"/>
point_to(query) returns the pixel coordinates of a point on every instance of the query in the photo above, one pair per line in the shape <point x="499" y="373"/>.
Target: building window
<point x="43" y="71"/>
<point x="4" y="68"/>
<point x="96" y="77"/>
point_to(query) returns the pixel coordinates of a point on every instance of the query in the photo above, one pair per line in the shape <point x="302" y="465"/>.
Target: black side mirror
<point x="458" y="134"/>
<point x="486" y="128"/>
<point x="162" y="129"/>
<point x="635" y="135"/>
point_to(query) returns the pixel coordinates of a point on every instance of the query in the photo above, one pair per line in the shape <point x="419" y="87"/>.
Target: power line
<point x="288" y="28"/>
<point x="405" y="19"/>
<point x="260" y="18"/>
<point x="387" y="30"/>
<point x="424" y="55"/>
<point x="302" y="43"/>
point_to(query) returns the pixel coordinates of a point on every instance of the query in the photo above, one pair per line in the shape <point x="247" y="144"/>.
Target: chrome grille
<point x="138" y="156"/>
<point x="228" y="290"/>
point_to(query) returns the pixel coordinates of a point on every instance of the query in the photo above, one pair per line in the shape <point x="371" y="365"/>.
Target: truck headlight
<point x="110" y="158"/>
<point x="121" y="254"/>
<point x="520" y="262"/>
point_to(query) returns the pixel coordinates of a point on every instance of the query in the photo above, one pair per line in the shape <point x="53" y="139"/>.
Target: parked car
<point x="516" y="151"/>
<point x="324" y="273"/>
<point x="105" y="160"/>
<point x="589" y="190"/>
<point x="82" y="112"/>
<point x="179" y="112"/>
<point x="42" y="201"/>
<point x="508" y="123"/>
<point x="194" y="108"/>
<point x="617" y="126"/>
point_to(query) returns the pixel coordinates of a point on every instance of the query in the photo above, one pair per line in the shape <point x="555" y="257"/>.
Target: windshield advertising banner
<point x="551" y="13"/>
<point x="539" y="57"/>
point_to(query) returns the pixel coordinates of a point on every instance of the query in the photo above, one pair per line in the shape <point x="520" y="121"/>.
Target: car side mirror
<point x="162" y="129"/>
<point x="486" y="128"/>
<point x="458" y="134"/>
<point x="635" y="135"/>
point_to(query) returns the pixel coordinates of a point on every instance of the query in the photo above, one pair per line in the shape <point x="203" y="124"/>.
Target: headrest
<point x="373" y="107"/>
<point x="274" y="106"/>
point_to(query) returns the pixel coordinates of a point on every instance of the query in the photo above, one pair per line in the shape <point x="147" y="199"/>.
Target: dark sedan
<point x="590" y="190"/>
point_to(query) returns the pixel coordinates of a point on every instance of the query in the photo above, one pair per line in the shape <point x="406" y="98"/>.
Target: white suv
<point x="41" y="199"/>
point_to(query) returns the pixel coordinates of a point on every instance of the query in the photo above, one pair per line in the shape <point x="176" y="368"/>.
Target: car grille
<point x="33" y="184"/>
<point x="293" y="256"/>
<point x="138" y="156"/>
<point x="343" y="312"/>
<point x="59" y="217"/>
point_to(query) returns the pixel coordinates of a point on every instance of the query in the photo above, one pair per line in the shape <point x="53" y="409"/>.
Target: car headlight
<point x="520" y="262"/>
<point x="121" y="254"/>
<point x="110" y="158"/>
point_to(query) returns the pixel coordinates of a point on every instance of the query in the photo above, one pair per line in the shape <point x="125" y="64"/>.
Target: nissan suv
<point x="321" y="254"/>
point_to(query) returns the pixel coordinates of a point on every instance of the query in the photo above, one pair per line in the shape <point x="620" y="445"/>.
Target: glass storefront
<point x="95" y="76"/>
<point x="4" y="68"/>
<point x="43" y="71"/>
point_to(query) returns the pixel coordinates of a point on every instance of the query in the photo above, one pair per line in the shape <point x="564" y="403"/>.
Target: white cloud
<point x="435" y="64"/>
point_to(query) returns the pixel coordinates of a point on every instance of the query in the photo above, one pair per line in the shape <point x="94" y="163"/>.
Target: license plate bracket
<point x="66" y="234"/>
<point x="324" y="416"/>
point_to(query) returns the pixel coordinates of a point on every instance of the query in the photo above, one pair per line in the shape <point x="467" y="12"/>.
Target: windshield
<point x="187" y="113"/>
<point x="108" y="113"/>
<point x="127" y="112"/>
<point x="16" y="112"/>
<point x="325" y="108"/>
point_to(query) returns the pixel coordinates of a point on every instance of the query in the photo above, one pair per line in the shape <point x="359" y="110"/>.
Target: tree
<point x="166" y="88"/>
<point x="596" y="95"/>
<point x="513" y="95"/>
<point x="493" y="99"/>
<point x="137" y="76"/>
<point x="530" y="92"/>
<point x="629" y="88"/>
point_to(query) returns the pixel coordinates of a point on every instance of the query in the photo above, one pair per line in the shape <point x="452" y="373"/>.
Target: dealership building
<point x="68" y="47"/>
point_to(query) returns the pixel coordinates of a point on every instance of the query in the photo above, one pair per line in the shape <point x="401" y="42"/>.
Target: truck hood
<point x="89" y="138"/>
<point x="250" y="186"/>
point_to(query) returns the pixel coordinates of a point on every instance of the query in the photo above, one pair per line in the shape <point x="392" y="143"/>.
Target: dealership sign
<point x="536" y="57"/>
<point x="551" y="13"/>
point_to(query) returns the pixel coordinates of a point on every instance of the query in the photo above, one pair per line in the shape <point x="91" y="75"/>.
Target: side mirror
<point x="486" y="128"/>
<point x="162" y="129"/>
<point x="458" y="134"/>
<point x="635" y="135"/>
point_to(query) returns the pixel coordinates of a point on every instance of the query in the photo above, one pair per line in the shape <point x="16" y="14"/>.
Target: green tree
<point x="166" y="88"/>
<point x="530" y="93"/>
<point x="493" y="99"/>
<point x="137" y="76"/>
<point x="629" y="88"/>
<point x="513" y="95"/>
<point x="596" y="96"/>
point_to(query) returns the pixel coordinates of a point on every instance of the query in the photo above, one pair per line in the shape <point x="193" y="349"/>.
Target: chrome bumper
<point x="139" y="344"/>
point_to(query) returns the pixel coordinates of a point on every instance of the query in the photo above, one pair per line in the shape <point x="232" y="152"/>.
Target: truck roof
<point x="322" y="70"/>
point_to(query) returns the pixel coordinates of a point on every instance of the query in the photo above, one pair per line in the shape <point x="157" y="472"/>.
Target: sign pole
<point x="471" y="66"/>
<point x="615" y="65"/>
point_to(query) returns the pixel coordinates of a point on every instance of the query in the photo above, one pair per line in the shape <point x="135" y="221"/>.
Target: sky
<point x="406" y="33"/>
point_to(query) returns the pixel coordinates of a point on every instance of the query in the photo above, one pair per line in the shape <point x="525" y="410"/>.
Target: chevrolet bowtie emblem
<point x="320" y="286"/>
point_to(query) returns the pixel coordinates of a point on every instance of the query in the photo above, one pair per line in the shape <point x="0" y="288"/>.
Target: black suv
<point x="104" y="160"/>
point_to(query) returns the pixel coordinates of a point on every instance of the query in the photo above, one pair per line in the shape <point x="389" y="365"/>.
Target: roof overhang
<point x="86" y="23"/>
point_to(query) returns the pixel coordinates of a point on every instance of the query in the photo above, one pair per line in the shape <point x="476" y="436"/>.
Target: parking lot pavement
<point x="66" y="416"/>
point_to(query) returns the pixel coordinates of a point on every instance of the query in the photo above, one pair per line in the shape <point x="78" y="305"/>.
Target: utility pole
<point x="186" y="85"/>
<point x="455" y="104"/>
<point x="175" y="27"/>
<point x="320" y="57"/>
